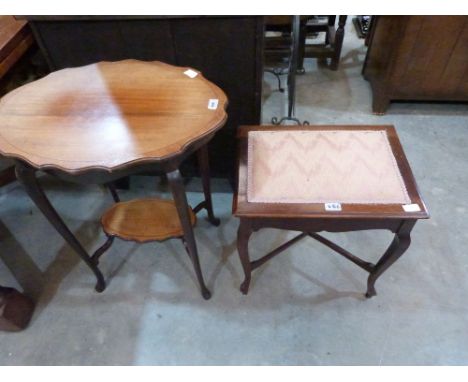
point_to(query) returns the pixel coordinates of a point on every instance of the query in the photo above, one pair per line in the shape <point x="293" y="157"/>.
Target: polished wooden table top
<point x="109" y="115"/>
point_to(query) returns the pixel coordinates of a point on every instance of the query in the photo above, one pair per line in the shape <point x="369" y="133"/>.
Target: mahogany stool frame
<point x="311" y="218"/>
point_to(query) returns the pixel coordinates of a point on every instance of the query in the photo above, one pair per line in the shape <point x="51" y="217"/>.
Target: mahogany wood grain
<point x="15" y="39"/>
<point x="108" y="116"/>
<point x="417" y="58"/>
<point x="228" y="50"/>
<point x="144" y="220"/>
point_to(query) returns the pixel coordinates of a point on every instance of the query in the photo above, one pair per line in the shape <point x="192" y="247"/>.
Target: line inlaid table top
<point x="109" y="115"/>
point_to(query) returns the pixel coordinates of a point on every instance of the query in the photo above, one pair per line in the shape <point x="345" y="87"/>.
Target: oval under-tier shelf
<point x="144" y="220"/>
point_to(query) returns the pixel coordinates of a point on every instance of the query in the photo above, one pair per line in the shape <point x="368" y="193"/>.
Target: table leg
<point x="113" y="191"/>
<point x="243" y="236"/>
<point x="399" y="245"/>
<point x="339" y="36"/>
<point x="15" y="310"/>
<point x="204" y="165"/>
<point x="27" y="177"/>
<point x="178" y="191"/>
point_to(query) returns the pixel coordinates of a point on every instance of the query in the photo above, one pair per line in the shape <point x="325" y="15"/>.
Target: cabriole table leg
<point x="27" y="177"/>
<point x="243" y="236"/>
<point x="178" y="192"/>
<point x="204" y="166"/>
<point x="113" y="191"/>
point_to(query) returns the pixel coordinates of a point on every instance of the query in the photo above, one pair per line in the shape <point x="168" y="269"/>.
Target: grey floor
<point x="305" y="307"/>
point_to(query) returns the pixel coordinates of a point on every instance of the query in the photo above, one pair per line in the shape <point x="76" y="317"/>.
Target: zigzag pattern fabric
<point x="322" y="166"/>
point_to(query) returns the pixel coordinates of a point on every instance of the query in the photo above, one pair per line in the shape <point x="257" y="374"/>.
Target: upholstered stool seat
<point x="325" y="178"/>
<point x="318" y="166"/>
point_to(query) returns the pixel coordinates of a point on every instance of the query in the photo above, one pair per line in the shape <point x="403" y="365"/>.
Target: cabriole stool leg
<point x="27" y="177"/>
<point x="243" y="236"/>
<point x="178" y="192"/>
<point x="399" y="245"/>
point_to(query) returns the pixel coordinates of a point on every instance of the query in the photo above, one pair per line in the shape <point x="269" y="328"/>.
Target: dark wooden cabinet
<point x="228" y="50"/>
<point x="422" y="58"/>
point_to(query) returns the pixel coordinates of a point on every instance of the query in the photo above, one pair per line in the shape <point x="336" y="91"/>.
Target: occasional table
<point x="101" y="122"/>
<point x="325" y="178"/>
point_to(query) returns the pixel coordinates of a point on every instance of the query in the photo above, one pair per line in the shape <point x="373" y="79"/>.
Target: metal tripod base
<point x="275" y="121"/>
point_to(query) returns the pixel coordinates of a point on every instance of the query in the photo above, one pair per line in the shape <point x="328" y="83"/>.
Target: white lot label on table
<point x="333" y="206"/>
<point x="191" y="73"/>
<point x="411" y="207"/>
<point x="213" y="104"/>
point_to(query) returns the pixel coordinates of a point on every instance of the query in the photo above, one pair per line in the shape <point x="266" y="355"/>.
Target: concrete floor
<point x="305" y="307"/>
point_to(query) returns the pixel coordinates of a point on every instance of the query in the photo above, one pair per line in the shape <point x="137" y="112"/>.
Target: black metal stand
<point x="292" y="71"/>
<point x="277" y="73"/>
<point x="275" y="121"/>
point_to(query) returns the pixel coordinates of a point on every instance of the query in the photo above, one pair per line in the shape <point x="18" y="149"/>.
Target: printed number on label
<point x="333" y="206"/>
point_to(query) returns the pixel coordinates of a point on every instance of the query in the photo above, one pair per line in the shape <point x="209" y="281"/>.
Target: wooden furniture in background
<point x="362" y="25"/>
<point x="311" y="218"/>
<point x="228" y="50"/>
<point x="105" y="121"/>
<point x="15" y="40"/>
<point x="417" y="58"/>
<point x="330" y="48"/>
<point x="279" y="47"/>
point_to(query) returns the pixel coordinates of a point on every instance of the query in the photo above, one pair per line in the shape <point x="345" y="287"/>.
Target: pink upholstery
<point x="353" y="166"/>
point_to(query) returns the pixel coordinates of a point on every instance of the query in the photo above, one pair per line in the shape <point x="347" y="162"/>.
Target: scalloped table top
<point x="109" y="115"/>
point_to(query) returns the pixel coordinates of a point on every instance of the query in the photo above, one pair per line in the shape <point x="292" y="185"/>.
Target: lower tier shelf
<point x="144" y="220"/>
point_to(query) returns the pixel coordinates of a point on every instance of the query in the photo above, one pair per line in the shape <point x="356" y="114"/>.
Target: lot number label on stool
<point x="411" y="208"/>
<point x="333" y="206"/>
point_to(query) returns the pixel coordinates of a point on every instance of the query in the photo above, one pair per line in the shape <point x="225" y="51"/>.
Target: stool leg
<point x="399" y="245"/>
<point x="204" y="165"/>
<point x="178" y="191"/>
<point x="243" y="236"/>
<point x="27" y="177"/>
